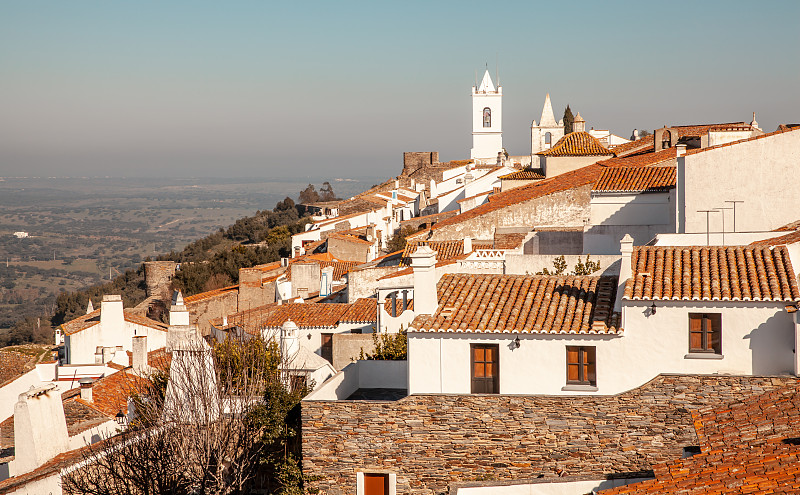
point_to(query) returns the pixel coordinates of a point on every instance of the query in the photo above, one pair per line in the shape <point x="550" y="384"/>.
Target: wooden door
<point x="485" y="369"/>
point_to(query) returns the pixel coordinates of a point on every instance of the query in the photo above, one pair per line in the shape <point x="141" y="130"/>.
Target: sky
<point x="341" y="89"/>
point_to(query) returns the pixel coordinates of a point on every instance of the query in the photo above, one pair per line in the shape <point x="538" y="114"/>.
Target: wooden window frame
<point x="496" y="368"/>
<point x="708" y="322"/>
<point x="586" y="363"/>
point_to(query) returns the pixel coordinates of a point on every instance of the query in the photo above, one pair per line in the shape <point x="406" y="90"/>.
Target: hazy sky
<point x="339" y="89"/>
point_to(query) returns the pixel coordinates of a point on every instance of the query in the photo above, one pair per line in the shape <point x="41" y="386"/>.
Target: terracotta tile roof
<point x="570" y="180"/>
<point x="305" y="315"/>
<point x="110" y="394"/>
<point x="638" y="179"/>
<point x="364" y="310"/>
<point x="712" y="273"/>
<point x="523" y="175"/>
<point x="445" y="250"/>
<point x="408" y="270"/>
<point x="747" y="447"/>
<point x="577" y="144"/>
<point x="630" y="148"/>
<point x="663" y="157"/>
<point x="754" y="138"/>
<point x="211" y="293"/>
<point x="388" y="305"/>
<point x="89" y="320"/>
<point x="13" y="365"/>
<point x="698" y="130"/>
<point x="523" y="303"/>
<point x="430" y="218"/>
<point x="789" y="238"/>
<point x="789" y="227"/>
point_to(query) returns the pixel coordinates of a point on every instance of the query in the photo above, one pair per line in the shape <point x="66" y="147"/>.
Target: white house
<point x="104" y="335"/>
<point x="678" y="310"/>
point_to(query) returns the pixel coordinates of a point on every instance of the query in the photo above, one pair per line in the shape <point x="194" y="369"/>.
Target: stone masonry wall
<point x="430" y="441"/>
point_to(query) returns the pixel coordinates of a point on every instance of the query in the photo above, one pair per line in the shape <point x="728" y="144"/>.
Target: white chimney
<point x="423" y="262"/>
<point x="625" y="272"/>
<point x="681" y="149"/>
<point x="40" y="430"/>
<point x="139" y="354"/>
<point x="178" y="312"/>
<point x="86" y="389"/>
<point x="89" y="307"/>
<point x="112" y="317"/>
<point x="290" y="343"/>
<point x="467" y="245"/>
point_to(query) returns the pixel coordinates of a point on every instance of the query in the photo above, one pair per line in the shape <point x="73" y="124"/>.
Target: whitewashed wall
<point x="81" y="346"/>
<point x="759" y="172"/>
<point x="757" y="338"/>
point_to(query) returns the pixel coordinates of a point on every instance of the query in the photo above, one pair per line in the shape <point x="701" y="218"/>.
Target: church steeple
<point x="548" y="119"/>
<point x="486" y="86"/>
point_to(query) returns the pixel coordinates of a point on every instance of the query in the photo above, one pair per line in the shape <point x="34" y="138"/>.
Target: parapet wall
<point x="430" y="441"/>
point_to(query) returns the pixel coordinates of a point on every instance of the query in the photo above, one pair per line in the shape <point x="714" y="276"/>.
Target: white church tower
<point x="547" y="133"/>
<point x="487" y="121"/>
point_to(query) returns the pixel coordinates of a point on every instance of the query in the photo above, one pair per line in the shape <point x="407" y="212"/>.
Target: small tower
<point x="487" y="121"/>
<point x="754" y="123"/>
<point x="547" y="133"/>
<point x="578" y="125"/>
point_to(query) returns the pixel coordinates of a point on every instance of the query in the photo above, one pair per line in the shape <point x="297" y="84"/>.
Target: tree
<point x="326" y="192"/>
<point x="569" y="119"/>
<point x="398" y="241"/>
<point x="389" y="346"/>
<point x="586" y="268"/>
<point x="216" y="422"/>
<point x="309" y="195"/>
<point x="559" y="267"/>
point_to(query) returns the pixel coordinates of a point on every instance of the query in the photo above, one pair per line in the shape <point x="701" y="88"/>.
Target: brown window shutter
<point x="376" y="484"/>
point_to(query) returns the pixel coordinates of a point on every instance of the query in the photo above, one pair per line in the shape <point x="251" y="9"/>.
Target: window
<point x="376" y="484"/>
<point x="485" y="369"/>
<point x="548" y="138"/>
<point x="487" y="117"/>
<point x="326" y="349"/>
<point x="581" y="365"/>
<point x="705" y="332"/>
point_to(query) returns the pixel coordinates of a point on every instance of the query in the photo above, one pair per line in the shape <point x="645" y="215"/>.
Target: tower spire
<point x="548" y="119"/>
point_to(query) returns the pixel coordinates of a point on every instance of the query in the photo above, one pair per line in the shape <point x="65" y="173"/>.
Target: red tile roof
<point x="712" y="273"/>
<point x="523" y="175"/>
<point x="511" y="240"/>
<point x="789" y="238"/>
<point x="305" y="315"/>
<point x="445" y="250"/>
<point x="636" y="179"/>
<point x="89" y="320"/>
<point x="210" y="293"/>
<point x="577" y="144"/>
<point x="522" y="303"/>
<point x="662" y="157"/>
<point x="750" y="447"/>
<point x="644" y="144"/>
<point x="789" y="227"/>
<point x="754" y="138"/>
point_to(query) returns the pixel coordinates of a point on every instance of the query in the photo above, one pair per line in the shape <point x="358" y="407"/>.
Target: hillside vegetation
<point x="208" y="263"/>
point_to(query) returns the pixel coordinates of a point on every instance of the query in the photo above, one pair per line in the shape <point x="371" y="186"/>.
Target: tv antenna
<point x="707" y="212"/>
<point x="734" y="211"/>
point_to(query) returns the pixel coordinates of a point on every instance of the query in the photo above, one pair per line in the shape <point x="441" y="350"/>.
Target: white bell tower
<point x="487" y="121"/>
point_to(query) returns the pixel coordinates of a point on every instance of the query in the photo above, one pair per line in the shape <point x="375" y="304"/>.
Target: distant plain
<point x="84" y="230"/>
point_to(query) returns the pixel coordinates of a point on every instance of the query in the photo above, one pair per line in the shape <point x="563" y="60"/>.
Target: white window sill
<point x="703" y="355"/>
<point x="579" y="388"/>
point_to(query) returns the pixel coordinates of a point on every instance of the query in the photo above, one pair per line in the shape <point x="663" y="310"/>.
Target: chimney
<point x="290" y="344"/>
<point x="178" y="312"/>
<point x="112" y="318"/>
<point x="40" y="430"/>
<point x="86" y="389"/>
<point x="423" y="262"/>
<point x="467" y="245"/>
<point x="625" y="272"/>
<point x="578" y="125"/>
<point x="139" y="358"/>
<point x="396" y="183"/>
<point x="89" y="307"/>
<point x="681" y="150"/>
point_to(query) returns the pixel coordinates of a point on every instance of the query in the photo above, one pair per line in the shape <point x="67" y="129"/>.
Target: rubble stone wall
<point x="430" y="441"/>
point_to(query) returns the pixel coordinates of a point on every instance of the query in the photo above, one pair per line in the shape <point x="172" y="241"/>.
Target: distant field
<point x="100" y="226"/>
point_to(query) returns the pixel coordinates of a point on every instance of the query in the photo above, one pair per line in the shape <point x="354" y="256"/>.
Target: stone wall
<point x="430" y="441"/>
<point x="158" y="278"/>
<point x="563" y="208"/>
<point x="415" y="160"/>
